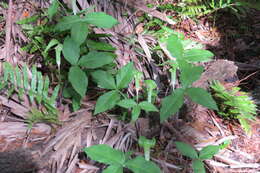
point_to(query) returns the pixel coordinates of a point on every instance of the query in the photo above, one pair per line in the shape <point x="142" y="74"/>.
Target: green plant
<point x="83" y="55"/>
<point x="183" y="58"/>
<point x="146" y="144"/>
<point x="150" y="86"/>
<point x="112" y="98"/>
<point x="197" y="8"/>
<point x="234" y="104"/>
<point x="35" y="86"/>
<point x="37" y="31"/>
<point x="197" y="157"/>
<point x="117" y="160"/>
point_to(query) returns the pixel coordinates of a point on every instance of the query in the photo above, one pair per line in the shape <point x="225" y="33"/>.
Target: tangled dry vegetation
<point x="48" y="147"/>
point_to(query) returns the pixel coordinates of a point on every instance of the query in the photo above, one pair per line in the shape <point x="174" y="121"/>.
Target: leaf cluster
<point x="189" y="73"/>
<point x="197" y="157"/>
<point x="117" y="160"/>
<point x="83" y="55"/>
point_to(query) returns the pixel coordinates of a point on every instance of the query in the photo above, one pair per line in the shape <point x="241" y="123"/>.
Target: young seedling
<point x="147" y="144"/>
<point x="197" y="157"/>
<point x="151" y="85"/>
<point x="117" y="160"/>
<point x="138" y="76"/>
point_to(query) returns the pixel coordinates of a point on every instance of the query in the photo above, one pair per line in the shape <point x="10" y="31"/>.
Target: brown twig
<point x="8" y="29"/>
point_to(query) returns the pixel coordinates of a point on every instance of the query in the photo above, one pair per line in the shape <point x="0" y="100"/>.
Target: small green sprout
<point x="146" y="144"/>
<point x="137" y="76"/>
<point x="151" y="85"/>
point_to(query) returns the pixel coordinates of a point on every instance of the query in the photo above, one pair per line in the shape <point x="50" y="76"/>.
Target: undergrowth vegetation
<point x="80" y="57"/>
<point x="234" y="105"/>
<point x="198" y="8"/>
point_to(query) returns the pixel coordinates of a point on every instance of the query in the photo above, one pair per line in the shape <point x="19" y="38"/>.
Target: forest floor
<point x="58" y="148"/>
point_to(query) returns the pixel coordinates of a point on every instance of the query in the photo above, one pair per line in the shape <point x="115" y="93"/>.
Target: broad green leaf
<point x="94" y="45"/>
<point x="104" y="79"/>
<point x="113" y="169"/>
<point x="197" y="55"/>
<point x="171" y="104"/>
<point x="189" y="73"/>
<point x="105" y="154"/>
<point x="96" y="59"/>
<point x="52" y="10"/>
<point x="71" y="50"/>
<point x="147" y="106"/>
<point x="125" y="76"/>
<point x="78" y="80"/>
<point x="100" y="19"/>
<point x="140" y="165"/>
<point x="208" y="152"/>
<point x="127" y="103"/>
<point x="190" y="44"/>
<point x="79" y="32"/>
<point x="202" y="97"/>
<point x="67" y="22"/>
<point x="106" y="101"/>
<point x="186" y="150"/>
<point x="175" y="47"/>
<point x="135" y="113"/>
<point x="198" y="166"/>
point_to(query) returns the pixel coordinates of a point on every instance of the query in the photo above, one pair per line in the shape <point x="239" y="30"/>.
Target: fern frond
<point x="234" y="104"/>
<point x="35" y="87"/>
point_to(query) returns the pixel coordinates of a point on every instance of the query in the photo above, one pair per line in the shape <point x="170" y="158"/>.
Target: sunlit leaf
<point x="202" y="97"/>
<point x="175" y="47"/>
<point x="189" y="73"/>
<point x="197" y="55"/>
